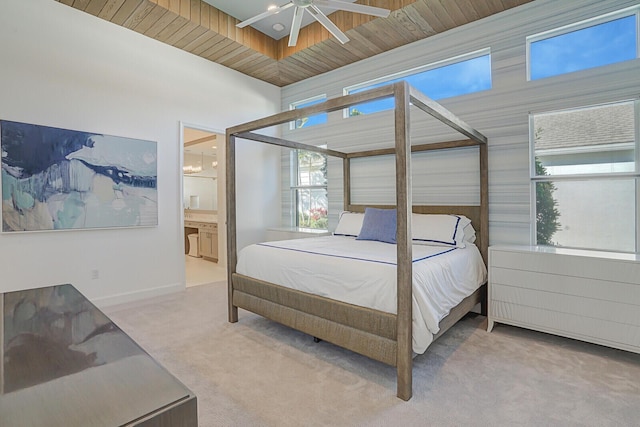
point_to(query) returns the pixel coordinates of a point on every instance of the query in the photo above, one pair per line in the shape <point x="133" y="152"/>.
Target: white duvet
<point x="363" y="273"/>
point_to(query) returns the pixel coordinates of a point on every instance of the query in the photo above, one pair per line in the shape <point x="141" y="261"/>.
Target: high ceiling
<point x="208" y="31"/>
<point x="246" y="9"/>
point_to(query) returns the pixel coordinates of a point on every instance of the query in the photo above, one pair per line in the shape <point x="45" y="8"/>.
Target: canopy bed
<point x="383" y="334"/>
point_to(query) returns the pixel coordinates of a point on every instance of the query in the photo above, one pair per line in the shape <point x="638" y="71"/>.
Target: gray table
<point x="66" y="364"/>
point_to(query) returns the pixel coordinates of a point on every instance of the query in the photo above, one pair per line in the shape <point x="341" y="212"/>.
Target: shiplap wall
<point x="500" y="113"/>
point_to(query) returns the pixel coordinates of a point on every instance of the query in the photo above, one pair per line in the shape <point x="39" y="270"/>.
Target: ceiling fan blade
<point x="326" y="22"/>
<point x="264" y="15"/>
<point x="353" y="7"/>
<point x="295" y="26"/>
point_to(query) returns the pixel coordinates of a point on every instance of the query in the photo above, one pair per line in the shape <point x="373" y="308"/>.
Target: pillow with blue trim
<point x="379" y="224"/>
<point x="441" y="230"/>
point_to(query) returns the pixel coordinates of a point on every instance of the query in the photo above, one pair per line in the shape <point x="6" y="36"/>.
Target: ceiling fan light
<point x="312" y="7"/>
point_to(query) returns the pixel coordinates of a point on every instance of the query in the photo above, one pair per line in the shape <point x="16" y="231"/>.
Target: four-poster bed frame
<point x="381" y="336"/>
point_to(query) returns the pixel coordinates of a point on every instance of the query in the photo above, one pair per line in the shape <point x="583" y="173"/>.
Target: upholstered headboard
<point x="471" y="212"/>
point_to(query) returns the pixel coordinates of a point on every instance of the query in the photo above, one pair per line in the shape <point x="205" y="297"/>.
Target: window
<point x="585" y="177"/>
<point x="316" y="119"/>
<point x="309" y="189"/>
<point x="444" y="79"/>
<point x="593" y="43"/>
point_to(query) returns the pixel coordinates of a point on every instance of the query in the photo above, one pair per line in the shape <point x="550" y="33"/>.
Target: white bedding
<point x="363" y="273"/>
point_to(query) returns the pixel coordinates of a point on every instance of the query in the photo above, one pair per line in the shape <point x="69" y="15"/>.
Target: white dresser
<point x="586" y="295"/>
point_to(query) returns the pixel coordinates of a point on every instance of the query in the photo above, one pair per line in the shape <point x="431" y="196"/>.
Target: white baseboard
<point x="129" y="297"/>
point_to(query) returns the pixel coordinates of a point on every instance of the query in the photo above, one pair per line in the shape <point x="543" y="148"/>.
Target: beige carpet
<point x="258" y="373"/>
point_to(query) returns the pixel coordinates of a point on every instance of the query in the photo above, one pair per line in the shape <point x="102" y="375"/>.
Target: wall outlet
<point x="95" y="274"/>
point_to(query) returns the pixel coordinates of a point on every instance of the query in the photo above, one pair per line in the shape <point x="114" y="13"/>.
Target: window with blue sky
<point x="584" y="171"/>
<point x="594" y="43"/>
<point x="444" y="79"/>
<point x="316" y="119"/>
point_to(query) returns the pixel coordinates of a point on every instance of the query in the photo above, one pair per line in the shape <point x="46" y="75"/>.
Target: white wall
<point x="500" y="113"/>
<point x="64" y="68"/>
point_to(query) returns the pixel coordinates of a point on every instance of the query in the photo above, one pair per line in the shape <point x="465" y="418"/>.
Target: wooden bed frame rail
<point x="381" y="336"/>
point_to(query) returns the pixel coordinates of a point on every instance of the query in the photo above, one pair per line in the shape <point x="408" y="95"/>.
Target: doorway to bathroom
<point x="203" y="205"/>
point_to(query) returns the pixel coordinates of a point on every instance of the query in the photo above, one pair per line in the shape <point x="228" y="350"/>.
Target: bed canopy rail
<point x="404" y="96"/>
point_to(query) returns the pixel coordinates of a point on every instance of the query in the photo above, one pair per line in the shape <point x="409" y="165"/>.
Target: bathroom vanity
<point x="206" y="226"/>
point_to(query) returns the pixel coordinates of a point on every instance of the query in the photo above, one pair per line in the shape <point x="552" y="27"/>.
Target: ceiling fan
<point x="311" y="6"/>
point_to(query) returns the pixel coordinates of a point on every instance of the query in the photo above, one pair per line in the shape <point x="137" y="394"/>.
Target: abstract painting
<point x="60" y="179"/>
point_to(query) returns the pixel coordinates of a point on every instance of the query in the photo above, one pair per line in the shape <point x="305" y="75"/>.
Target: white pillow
<point x="469" y="233"/>
<point x="441" y="230"/>
<point x="350" y="224"/>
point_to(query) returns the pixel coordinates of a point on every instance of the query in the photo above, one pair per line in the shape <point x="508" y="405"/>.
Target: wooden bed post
<point x="484" y="200"/>
<point x="404" y="247"/>
<point x="232" y="254"/>
<point x="346" y="176"/>
<point x="484" y="216"/>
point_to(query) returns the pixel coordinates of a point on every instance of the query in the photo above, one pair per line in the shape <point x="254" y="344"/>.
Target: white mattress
<point x="363" y="273"/>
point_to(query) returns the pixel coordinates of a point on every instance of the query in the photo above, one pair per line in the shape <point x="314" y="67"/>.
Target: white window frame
<point x="294" y="105"/>
<point x="534" y="179"/>
<point x="587" y="23"/>
<point x="416" y="70"/>
<point x="294" y="187"/>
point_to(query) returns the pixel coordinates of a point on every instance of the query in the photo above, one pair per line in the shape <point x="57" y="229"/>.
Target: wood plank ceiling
<point x="201" y="29"/>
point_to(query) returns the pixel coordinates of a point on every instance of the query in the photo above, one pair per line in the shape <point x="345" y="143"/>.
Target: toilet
<point x="193" y="245"/>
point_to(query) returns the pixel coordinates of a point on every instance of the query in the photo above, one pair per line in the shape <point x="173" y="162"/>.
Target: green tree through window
<point x="546" y="212"/>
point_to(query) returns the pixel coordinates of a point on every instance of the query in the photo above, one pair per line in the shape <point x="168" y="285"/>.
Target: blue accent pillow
<point x="379" y="224"/>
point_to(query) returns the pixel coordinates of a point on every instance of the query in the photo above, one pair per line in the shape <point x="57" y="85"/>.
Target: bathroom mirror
<point x="200" y="169"/>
